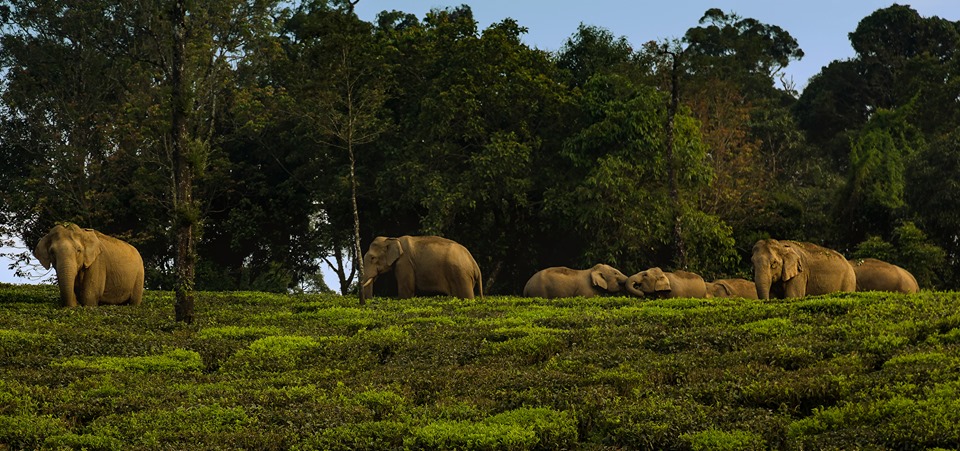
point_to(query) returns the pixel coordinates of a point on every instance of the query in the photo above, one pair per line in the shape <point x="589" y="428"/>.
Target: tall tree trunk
<point x="672" y="108"/>
<point x="183" y="209"/>
<point x="356" y="221"/>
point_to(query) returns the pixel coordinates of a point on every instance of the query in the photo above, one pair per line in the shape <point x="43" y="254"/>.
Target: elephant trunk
<point x="66" y="279"/>
<point x="763" y="281"/>
<point x="632" y="285"/>
<point x="366" y="288"/>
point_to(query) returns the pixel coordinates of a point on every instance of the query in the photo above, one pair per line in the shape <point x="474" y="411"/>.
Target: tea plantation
<point x="264" y="371"/>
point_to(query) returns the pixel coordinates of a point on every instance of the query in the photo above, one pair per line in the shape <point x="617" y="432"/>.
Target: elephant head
<point x="380" y="258"/>
<point x="648" y="282"/>
<point x="774" y="262"/>
<point x="70" y="250"/>
<point x="607" y="278"/>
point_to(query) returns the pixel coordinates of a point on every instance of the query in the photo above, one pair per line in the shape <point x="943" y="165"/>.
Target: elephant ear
<point x="662" y="283"/>
<point x="394" y="251"/>
<point x="42" y="251"/>
<point x="597" y="277"/>
<point x="658" y="278"/>
<point x="791" y="263"/>
<point x="92" y="248"/>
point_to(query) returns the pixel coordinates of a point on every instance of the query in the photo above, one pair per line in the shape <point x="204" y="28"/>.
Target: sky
<point x="819" y="26"/>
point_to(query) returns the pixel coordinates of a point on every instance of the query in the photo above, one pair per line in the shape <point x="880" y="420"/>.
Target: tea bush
<point x="273" y="371"/>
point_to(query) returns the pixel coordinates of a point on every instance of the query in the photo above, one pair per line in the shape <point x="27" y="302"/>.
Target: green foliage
<point x="272" y="353"/>
<point x="713" y="439"/>
<point x="29" y="431"/>
<point x="237" y="332"/>
<point x="909" y="248"/>
<point x="174" y="360"/>
<point x="270" y="371"/>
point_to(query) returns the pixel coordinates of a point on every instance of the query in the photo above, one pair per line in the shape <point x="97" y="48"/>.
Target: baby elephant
<point x="678" y="284"/>
<point x="563" y="282"/>
<point x="732" y="288"/>
<point x="878" y="275"/>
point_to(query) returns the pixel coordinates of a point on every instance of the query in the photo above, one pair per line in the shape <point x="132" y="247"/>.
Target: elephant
<point x="797" y="269"/>
<point x="677" y="284"/>
<point x="430" y="264"/>
<point x="732" y="288"/>
<point x="92" y="268"/>
<point x="878" y="275"/>
<point x="562" y="282"/>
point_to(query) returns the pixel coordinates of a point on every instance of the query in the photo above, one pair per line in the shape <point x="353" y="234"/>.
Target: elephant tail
<point x="480" y="283"/>
<point x="478" y="277"/>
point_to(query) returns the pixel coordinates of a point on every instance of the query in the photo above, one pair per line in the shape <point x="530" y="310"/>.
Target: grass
<point x="265" y="371"/>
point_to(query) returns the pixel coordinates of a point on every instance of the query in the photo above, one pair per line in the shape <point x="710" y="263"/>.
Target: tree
<point x="352" y="107"/>
<point x="873" y="198"/>
<point x="476" y="115"/>
<point x="593" y="50"/>
<point x="901" y="58"/>
<point x="730" y="47"/>
<point x="618" y="192"/>
<point x="67" y="142"/>
<point x="933" y="194"/>
<point x="139" y="112"/>
<point x="909" y="248"/>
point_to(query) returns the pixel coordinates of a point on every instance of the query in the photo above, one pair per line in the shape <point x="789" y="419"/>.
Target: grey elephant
<point x="797" y="269"/>
<point x="561" y="282"/>
<point x="732" y="288"/>
<point x="92" y="268"/>
<point x="426" y="264"/>
<point x="878" y="275"/>
<point x="658" y="283"/>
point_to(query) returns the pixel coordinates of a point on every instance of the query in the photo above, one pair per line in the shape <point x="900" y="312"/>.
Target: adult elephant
<point x="563" y="282"/>
<point x="732" y="288"/>
<point x="798" y="269"/>
<point x="658" y="283"/>
<point x="92" y="268"/>
<point x="878" y="275"/>
<point x="425" y="264"/>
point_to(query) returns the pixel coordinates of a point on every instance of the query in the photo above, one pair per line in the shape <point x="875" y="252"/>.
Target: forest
<point x="282" y="137"/>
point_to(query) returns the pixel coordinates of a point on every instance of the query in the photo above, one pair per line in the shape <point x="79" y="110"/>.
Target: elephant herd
<point x="93" y="268"/>
<point x="784" y="269"/>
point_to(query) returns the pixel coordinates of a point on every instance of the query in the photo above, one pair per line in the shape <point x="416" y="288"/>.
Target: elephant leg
<point x="88" y="297"/>
<point x="463" y="290"/>
<point x="406" y="283"/>
<point x="795" y="289"/>
<point x="137" y="296"/>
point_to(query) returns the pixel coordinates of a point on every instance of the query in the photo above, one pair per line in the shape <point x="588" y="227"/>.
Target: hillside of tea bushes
<point x="265" y="371"/>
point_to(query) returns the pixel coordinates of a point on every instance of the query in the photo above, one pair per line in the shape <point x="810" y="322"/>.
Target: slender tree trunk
<point x="671" y="161"/>
<point x="356" y="220"/>
<point x="184" y="213"/>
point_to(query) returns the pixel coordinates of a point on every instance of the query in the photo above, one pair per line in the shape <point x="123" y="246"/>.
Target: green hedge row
<point x="265" y="371"/>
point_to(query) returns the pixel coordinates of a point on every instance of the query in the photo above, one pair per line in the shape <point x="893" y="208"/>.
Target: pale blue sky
<point x="819" y="26"/>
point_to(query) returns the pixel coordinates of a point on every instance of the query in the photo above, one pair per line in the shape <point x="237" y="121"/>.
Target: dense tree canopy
<point x="295" y="112"/>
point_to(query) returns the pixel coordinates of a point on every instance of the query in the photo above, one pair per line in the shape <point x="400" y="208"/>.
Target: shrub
<point x="175" y="360"/>
<point x="530" y="344"/>
<point x="25" y="348"/>
<point x="29" y="431"/>
<point x="466" y="435"/>
<point x="553" y="429"/>
<point x="182" y="427"/>
<point x="83" y="441"/>
<point x="775" y="327"/>
<point x="273" y="353"/>
<point x="238" y="332"/>
<point x="717" y="440"/>
<point x="365" y="435"/>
